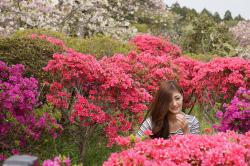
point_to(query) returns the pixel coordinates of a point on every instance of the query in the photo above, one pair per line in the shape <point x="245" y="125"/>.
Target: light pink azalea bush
<point x="225" y="149"/>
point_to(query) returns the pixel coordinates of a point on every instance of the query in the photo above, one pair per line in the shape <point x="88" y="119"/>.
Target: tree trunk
<point x="85" y="135"/>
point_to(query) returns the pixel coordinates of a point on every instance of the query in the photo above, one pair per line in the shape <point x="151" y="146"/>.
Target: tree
<point x="77" y="17"/>
<point x="205" y="11"/>
<point x="197" y="39"/>
<point x="239" y="18"/>
<point x="227" y="16"/>
<point x="242" y="32"/>
<point x="176" y="5"/>
<point x="217" y="17"/>
<point x="207" y="37"/>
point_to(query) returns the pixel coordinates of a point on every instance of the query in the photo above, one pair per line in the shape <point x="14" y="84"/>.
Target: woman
<point x="166" y="116"/>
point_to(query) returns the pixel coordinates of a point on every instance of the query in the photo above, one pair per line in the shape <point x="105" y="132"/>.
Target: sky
<point x="236" y="7"/>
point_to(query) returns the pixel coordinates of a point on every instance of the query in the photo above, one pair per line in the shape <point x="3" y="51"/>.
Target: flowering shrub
<point x="237" y="113"/>
<point x="206" y="150"/>
<point x="155" y="46"/>
<point x="242" y="33"/>
<point x="103" y="91"/>
<point x="18" y="120"/>
<point x="218" y="80"/>
<point x="57" y="161"/>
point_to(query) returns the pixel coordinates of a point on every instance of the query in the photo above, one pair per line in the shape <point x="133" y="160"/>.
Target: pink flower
<point x="67" y="161"/>
<point x="33" y="36"/>
<point x="122" y="141"/>
<point x="148" y="132"/>
<point x="15" y="151"/>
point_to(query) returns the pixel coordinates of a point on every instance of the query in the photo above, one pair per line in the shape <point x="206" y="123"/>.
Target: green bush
<point x="32" y="53"/>
<point x="201" y="57"/>
<point x="96" y="45"/>
<point x="204" y="36"/>
<point x="99" y="46"/>
<point x="142" y="28"/>
<point x="28" y="32"/>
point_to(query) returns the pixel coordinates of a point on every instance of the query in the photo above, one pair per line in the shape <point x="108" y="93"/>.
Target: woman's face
<point x="175" y="106"/>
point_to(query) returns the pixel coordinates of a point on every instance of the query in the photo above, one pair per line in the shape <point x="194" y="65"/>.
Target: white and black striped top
<point x="193" y="125"/>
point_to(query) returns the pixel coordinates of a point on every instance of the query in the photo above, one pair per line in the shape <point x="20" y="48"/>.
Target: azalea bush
<point x="217" y="81"/>
<point x="19" y="122"/>
<point x="237" y="113"/>
<point x="155" y="46"/>
<point x="92" y="93"/>
<point x="221" y="149"/>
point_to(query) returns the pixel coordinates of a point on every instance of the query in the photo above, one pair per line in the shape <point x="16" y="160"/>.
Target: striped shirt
<point x="193" y="125"/>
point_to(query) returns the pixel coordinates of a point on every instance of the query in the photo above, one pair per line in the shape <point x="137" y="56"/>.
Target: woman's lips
<point x="175" y="108"/>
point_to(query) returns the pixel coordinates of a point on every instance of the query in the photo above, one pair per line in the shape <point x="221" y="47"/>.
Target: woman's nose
<point x="175" y="103"/>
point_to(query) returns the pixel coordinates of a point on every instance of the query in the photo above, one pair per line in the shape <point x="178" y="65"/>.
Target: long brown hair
<point x="160" y="106"/>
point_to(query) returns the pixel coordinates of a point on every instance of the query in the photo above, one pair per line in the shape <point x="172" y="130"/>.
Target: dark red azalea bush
<point x="19" y="122"/>
<point x="146" y="69"/>
<point x="237" y="113"/>
<point x="202" y="150"/>
<point x="156" y="46"/>
<point x="218" y="80"/>
<point x="212" y="83"/>
<point x="93" y="92"/>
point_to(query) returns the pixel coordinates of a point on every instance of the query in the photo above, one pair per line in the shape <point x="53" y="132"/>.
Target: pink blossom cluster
<point x="237" y="113"/>
<point x="18" y="120"/>
<point x="57" y="161"/>
<point x="202" y="150"/>
<point x="156" y="46"/>
<point x="219" y="79"/>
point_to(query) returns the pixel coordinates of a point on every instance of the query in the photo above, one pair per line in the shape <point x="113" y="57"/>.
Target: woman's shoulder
<point x="147" y="123"/>
<point x="149" y="120"/>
